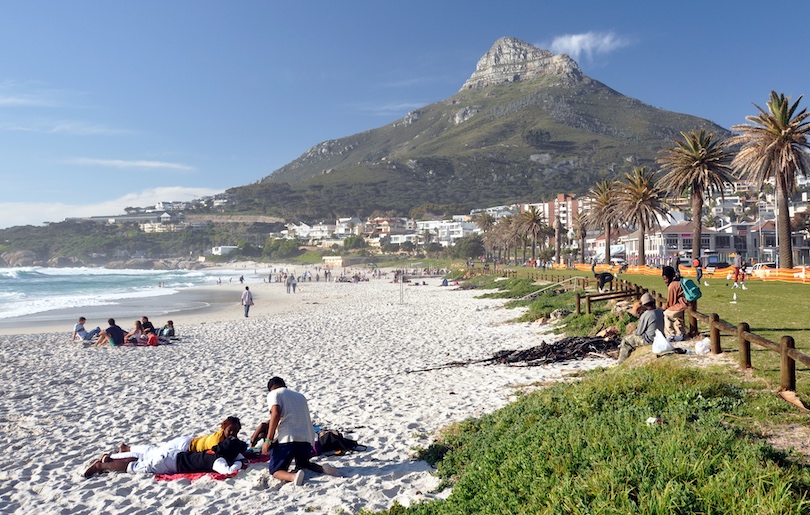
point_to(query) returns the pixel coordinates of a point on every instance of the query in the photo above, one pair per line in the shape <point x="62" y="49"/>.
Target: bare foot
<point x="95" y="468"/>
<point x="122" y="447"/>
<point x="104" y="457"/>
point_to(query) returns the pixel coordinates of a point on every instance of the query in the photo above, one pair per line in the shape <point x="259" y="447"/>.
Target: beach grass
<point x="772" y="309"/>
<point x="588" y="448"/>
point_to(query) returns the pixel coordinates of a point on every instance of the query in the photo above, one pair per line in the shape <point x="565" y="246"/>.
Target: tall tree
<point x="603" y="210"/>
<point x="581" y="228"/>
<point x="532" y="224"/>
<point x="639" y="203"/>
<point x="699" y="165"/>
<point x="776" y="146"/>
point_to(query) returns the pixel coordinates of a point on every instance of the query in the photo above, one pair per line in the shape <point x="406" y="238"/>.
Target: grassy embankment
<point x="587" y="448"/>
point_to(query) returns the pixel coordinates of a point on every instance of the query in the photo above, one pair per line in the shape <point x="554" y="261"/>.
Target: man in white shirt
<point x="290" y="426"/>
<point x="82" y="333"/>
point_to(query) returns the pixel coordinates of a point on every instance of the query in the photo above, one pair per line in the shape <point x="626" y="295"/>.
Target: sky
<point x="106" y="105"/>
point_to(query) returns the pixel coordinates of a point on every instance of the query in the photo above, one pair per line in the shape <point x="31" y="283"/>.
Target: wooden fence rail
<point x="715" y="325"/>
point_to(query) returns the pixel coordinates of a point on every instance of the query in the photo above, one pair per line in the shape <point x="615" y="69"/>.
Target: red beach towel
<point x="193" y="476"/>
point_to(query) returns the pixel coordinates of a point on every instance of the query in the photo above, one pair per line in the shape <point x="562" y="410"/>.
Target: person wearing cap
<point x="650" y="319"/>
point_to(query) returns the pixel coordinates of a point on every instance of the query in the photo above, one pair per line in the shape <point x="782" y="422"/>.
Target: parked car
<point x="762" y="269"/>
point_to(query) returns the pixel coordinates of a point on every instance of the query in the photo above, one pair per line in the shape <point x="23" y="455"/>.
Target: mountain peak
<point x="513" y="60"/>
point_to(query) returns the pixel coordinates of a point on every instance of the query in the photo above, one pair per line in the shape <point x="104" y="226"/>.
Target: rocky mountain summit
<point x="513" y="60"/>
<point x="526" y="125"/>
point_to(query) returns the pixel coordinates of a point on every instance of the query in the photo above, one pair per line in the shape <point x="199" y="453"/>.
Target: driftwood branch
<point x="566" y="349"/>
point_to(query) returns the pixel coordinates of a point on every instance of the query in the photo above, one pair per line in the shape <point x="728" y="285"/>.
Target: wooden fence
<point x="716" y="327"/>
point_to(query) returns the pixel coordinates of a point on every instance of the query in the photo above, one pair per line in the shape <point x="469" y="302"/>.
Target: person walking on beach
<point x="247" y="300"/>
<point x="78" y="330"/>
<point x="290" y="426"/>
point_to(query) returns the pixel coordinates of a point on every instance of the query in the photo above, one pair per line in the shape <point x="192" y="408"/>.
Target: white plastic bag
<point x="704" y="346"/>
<point x="728" y="276"/>
<point x="660" y="343"/>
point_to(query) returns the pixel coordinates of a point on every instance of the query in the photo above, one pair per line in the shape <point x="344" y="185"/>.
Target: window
<point x="687" y="243"/>
<point x="721" y="241"/>
<point x="672" y="243"/>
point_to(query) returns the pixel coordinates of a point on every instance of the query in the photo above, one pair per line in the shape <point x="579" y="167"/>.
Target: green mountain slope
<point x="510" y="138"/>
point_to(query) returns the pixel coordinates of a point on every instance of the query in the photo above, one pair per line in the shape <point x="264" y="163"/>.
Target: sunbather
<point x="225" y="458"/>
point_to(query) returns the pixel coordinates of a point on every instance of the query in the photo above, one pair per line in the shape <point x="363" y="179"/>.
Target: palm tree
<point x="639" y="202"/>
<point x="603" y="212"/>
<point x="532" y="224"/>
<point x="701" y="165"/>
<point x="581" y="228"/>
<point x="775" y="146"/>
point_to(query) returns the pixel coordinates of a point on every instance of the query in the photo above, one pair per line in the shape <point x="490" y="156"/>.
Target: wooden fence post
<point x="588" y="304"/>
<point x="578" y="310"/>
<point x="714" y="327"/>
<point x="744" y="345"/>
<point x="788" y="365"/>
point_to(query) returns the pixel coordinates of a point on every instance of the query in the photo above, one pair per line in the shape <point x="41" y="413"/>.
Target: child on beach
<point x="136" y="335"/>
<point x="168" y="329"/>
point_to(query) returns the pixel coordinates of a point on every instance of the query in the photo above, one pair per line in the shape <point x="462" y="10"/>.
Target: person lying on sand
<point x="225" y="458"/>
<point x="229" y="428"/>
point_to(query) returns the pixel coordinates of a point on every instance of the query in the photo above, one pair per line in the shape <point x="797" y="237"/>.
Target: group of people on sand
<point x="287" y="436"/>
<point x="143" y="333"/>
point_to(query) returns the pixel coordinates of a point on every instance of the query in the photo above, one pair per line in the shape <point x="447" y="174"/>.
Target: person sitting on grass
<point x="113" y="335"/>
<point x="225" y="458"/>
<point x="650" y="319"/>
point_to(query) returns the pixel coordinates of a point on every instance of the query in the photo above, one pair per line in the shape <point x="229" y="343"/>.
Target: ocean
<point x="31" y="290"/>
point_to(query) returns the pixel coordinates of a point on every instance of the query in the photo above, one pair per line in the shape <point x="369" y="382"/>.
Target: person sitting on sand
<point x="79" y="330"/>
<point x="168" y="329"/>
<point x="146" y="324"/>
<point x="113" y="335"/>
<point x="225" y="458"/>
<point x="136" y="335"/>
<point x="229" y="428"/>
<point x="290" y="426"/>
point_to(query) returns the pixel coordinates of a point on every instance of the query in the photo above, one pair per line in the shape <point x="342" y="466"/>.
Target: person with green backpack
<point x="675" y="307"/>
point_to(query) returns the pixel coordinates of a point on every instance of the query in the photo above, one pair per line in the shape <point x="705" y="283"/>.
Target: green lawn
<point x="772" y="309"/>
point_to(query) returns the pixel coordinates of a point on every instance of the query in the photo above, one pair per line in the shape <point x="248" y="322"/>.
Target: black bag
<point x="332" y="441"/>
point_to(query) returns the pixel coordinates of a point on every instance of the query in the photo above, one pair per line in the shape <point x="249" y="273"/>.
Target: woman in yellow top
<point x="229" y="427"/>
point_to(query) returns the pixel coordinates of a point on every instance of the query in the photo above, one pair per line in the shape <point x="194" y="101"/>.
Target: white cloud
<point x="121" y="163"/>
<point x="64" y="127"/>
<point x="588" y="44"/>
<point x="37" y="213"/>
<point x="21" y="101"/>
<point x="392" y="109"/>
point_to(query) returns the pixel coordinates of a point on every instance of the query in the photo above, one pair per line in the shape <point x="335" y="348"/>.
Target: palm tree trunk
<point x="783" y="215"/>
<point x="642" y="253"/>
<point x="607" y="243"/>
<point x="582" y="249"/>
<point x="697" y="221"/>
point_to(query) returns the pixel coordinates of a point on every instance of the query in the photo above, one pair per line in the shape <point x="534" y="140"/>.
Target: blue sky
<point x="105" y="105"/>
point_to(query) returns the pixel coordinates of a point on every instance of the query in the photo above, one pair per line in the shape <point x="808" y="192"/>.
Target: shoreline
<point x="192" y="305"/>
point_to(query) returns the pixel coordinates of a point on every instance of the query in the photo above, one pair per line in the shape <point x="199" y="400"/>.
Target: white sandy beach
<point x="348" y="347"/>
